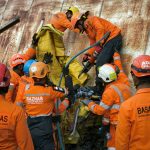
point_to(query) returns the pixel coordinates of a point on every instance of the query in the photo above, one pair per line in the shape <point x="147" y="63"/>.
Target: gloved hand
<point x="35" y="40"/>
<point x="47" y="58"/>
<point x="86" y="102"/>
<point x="84" y="92"/>
<point x="86" y="57"/>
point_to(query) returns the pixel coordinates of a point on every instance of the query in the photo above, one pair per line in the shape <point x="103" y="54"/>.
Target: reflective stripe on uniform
<point x="121" y="70"/>
<point x="92" y="107"/>
<point x="39" y="94"/>
<point x="65" y="103"/>
<point x="11" y="86"/>
<point x="41" y="115"/>
<point x="117" y="58"/>
<point x="115" y="106"/>
<point x="118" y="92"/>
<point x="104" y="105"/>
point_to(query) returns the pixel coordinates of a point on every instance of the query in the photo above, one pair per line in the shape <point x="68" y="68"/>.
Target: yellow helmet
<point x="74" y="10"/>
<point x="38" y="70"/>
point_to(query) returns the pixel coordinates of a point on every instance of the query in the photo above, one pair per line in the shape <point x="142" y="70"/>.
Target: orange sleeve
<point x="62" y="105"/>
<point x="30" y="53"/>
<point x="123" y="128"/>
<point x="23" y="136"/>
<point x="106" y="102"/>
<point x="91" y="50"/>
<point x="117" y="60"/>
<point x="10" y="93"/>
<point x="56" y="94"/>
<point x="20" y="93"/>
<point x="99" y="29"/>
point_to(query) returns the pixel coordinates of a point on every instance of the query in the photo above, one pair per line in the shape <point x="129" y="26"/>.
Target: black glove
<point x="47" y="58"/>
<point x="65" y="71"/>
<point x="35" y="40"/>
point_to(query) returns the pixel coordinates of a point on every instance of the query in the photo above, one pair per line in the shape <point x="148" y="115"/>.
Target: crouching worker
<point x="14" y="133"/>
<point x="114" y="94"/>
<point x="39" y="101"/>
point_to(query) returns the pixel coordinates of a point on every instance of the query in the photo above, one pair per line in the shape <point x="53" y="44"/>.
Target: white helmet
<point x="107" y="73"/>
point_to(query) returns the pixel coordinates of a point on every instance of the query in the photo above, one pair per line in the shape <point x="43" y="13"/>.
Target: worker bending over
<point x="114" y="94"/>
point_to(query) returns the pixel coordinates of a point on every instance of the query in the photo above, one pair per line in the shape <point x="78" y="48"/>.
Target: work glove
<point x="86" y="57"/>
<point x="84" y="92"/>
<point x="48" y="58"/>
<point x="35" y="40"/>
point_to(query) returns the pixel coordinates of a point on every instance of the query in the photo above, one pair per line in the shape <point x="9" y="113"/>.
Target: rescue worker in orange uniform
<point x="16" y="63"/>
<point x="95" y="28"/>
<point x="134" y="117"/>
<point x="24" y="79"/>
<point x="14" y="133"/>
<point x="114" y="94"/>
<point x="39" y="101"/>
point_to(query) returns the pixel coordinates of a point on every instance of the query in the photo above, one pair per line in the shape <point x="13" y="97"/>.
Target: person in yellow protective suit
<point x="14" y="133"/>
<point x="16" y="63"/>
<point x="39" y="101"/>
<point x="49" y="47"/>
<point x="133" y="130"/>
<point x="114" y="94"/>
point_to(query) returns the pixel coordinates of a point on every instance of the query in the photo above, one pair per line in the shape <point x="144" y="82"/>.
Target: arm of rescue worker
<point x="22" y="133"/>
<point x="62" y="105"/>
<point x="123" y="128"/>
<point x="107" y="101"/>
<point x="117" y="61"/>
<point x="20" y="93"/>
<point x="10" y="93"/>
<point x="122" y="77"/>
<point x="57" y="92"/>
<point x="99" y="31"/>
<point x="30" y="53"/>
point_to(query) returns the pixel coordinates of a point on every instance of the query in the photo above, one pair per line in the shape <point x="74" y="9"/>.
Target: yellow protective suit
<point x="50" y="40"/>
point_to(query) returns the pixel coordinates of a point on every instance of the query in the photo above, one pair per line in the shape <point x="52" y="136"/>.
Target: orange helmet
<point x="16" y="59"/>
<point x="38" y="70"/>
<point x="141" y="66"/>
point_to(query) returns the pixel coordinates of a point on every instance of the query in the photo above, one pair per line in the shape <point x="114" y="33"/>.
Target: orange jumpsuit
<point x="96" y="28"/>
<point x="114" y="94"/>
<point x="14" y="132"/>
<point x="133" y="129"/>
<point x="13" y="88"/>
<point x="21" y="88"/>
<point x="122" y="77"/>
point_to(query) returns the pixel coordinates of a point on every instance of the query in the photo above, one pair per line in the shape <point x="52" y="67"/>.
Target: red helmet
<point x="141" y="66"/>
<point x="4" y="76"/>
<point x="16" y="59"/>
